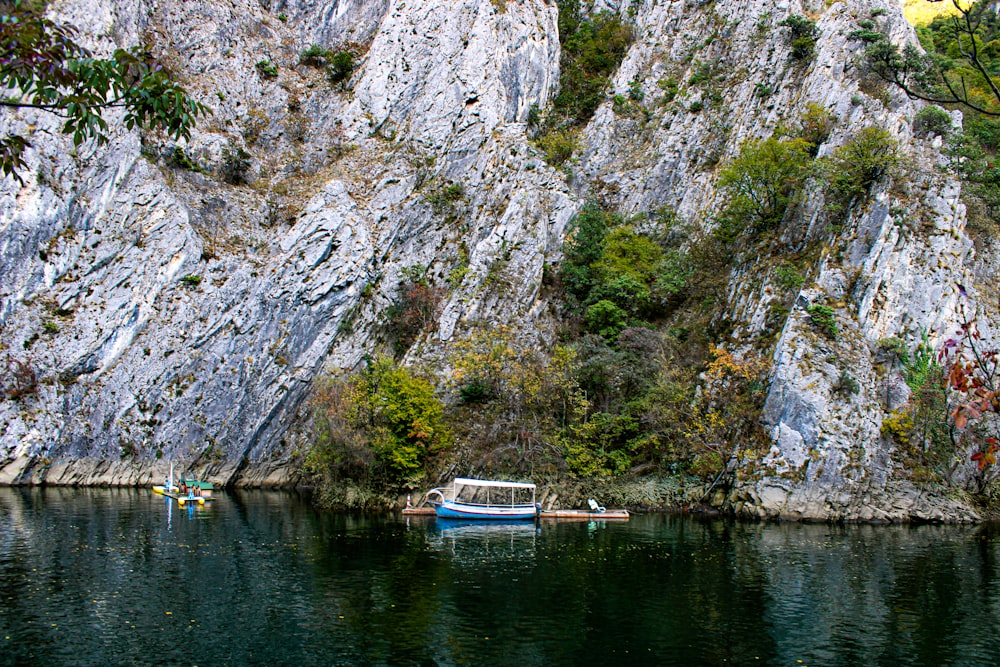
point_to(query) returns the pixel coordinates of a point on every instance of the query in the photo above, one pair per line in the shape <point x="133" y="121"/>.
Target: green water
<point x="108" y="577"/>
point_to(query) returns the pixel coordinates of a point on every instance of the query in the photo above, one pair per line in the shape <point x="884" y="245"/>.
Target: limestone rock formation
<point x="176" y="301"/>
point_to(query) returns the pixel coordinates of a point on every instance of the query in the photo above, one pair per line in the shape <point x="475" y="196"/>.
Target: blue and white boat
<point x="477" y="499"/>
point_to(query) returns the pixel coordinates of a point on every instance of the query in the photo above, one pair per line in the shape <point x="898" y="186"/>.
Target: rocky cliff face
<point x="175" y="302"/>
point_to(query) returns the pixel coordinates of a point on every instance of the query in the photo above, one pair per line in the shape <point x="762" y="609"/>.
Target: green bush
<point x="932" y="119"/>
<point x="627" y="252"/>
<point x="673" y="273"/>
<point x="670" y="88"/>
<point x="341" y="67"/>
<point x="475" y="391"/>
<point x="598" y="446"/>
<point x="623" y="290"/>
<point x="861" y="163"/>
<point x="606" y="319"/>
<point x="266" y="69"/>
<point x="591" y="54"/>
<point x="179" y="159"/>
<point x="592" y="49"/>
<point x="444" y="198"/>
<point x="814" y="126"/>
<point x="382" y="425"/>
<point x="762" y="179"/>
<point x="235" y="164"/>
<point x="315" y="56"/>
<point x="587" y="234"/>
<point x="192" y="280"/>
<point x="558" y="145"/>
<point x="802" y="35"/>
<point x="787" y="276"/>
<point x="846" y="385"/>
<point x="822" y="318"/>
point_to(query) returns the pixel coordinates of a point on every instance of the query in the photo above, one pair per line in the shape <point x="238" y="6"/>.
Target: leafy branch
<point x="46" y="69"/>
<point x="974" y="381"/>
<point x="931" y="77"/>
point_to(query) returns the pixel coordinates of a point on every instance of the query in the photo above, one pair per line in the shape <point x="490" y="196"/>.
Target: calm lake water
<point x="97" y="577"/>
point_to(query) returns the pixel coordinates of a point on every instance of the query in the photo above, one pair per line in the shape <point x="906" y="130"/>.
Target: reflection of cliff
<point x="98" y="576"/>
<point x="299" y="261"/>
<point x="873" y="590"/>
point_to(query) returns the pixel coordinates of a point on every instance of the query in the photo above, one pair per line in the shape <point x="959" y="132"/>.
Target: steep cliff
<point x="176" y="302"/>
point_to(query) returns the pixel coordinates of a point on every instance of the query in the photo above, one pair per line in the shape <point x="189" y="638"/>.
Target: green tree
<point x="959" y="68"/>
<point x="864" y="160"/>
<point x="588" y="232"/>
<point x="763" y="177"/>
<point x="43" y="67"/>
<point x="403" y="417"/>
<point x="802" y="35"/>
<point x="381" y="425"/>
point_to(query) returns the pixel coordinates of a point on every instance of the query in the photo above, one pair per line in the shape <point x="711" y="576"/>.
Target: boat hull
<point x="451" y="510"/>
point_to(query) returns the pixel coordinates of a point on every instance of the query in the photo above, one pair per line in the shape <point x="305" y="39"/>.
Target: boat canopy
<point x="464" y="481"/>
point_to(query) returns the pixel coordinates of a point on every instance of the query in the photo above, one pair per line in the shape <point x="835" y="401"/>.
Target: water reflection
<point x="123" y="577"/>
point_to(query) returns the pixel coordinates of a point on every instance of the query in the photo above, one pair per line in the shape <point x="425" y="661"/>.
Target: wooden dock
<point x="418" y="511"/>
<point x="586" y="515"/>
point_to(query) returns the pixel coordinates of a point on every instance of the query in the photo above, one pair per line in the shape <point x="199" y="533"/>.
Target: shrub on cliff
<point x="381" y="426"/>
<point x="802" y="36"/>
<point x="592" y="49"/>
<point x="762" y="180"/>
<point x="867" y="158"/>
<point x="415" y="308"/>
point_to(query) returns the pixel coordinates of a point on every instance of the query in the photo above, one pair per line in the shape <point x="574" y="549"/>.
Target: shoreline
<point x="646" y="495"/>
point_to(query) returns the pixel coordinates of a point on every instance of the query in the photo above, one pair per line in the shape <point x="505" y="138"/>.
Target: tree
<point x="381" y="425"/>
<point x="763" y="177"/>
<point x="46" y="69"/>
<point x="965" y="79"/>
<point x="802" y="35"/>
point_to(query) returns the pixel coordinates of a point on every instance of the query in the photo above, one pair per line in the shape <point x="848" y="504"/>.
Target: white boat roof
<point x="465" y="481"/>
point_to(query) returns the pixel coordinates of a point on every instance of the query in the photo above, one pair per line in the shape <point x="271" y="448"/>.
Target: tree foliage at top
<point x="43" y="67"/>
<point x="763" y="177"/>
<point x="958" y="67"/>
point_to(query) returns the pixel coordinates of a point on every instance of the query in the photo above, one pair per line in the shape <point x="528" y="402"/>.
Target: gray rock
<point x="172" y="315"/>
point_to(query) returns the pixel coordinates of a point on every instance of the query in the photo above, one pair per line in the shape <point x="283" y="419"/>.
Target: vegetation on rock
<point x="958" y="69"/>
<point x="381" y="426"/>
<point x="592" y="49"/>
<point x="802" y="36"/>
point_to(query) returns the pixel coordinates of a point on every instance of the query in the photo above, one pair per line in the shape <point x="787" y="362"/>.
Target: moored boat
<point x="186" y="491"/>
<point x="480" y="499"/>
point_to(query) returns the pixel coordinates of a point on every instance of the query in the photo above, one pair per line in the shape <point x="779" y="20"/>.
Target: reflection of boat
<point x="474" y="541"/>
<point x="480" y="499"/>
<point x="474" y="528"/>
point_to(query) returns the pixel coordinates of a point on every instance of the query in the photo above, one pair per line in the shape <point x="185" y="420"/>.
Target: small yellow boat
<point x="186" y="491"/>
